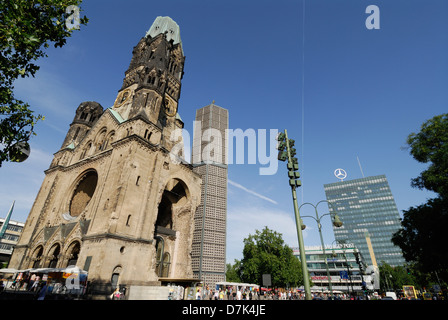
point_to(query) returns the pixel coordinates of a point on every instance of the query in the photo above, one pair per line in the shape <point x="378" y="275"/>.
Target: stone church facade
<point x="113" y="201"/>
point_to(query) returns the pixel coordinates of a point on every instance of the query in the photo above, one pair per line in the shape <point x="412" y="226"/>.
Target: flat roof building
<point x="368" y="212"/>
<point x="209" y="161"/>
<point x="9" y="239"/>
<point x="344" y="270"/>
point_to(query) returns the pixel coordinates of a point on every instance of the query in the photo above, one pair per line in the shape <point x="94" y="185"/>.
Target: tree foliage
<point x="422" y="234"/>
<point x="27" y="28"/>
<point x="232" y="272"/>
<point x="394" y="278"/>
<point x="422" y="237"/>
<point x="430" y="145"/>
<point x="266" y="253"/>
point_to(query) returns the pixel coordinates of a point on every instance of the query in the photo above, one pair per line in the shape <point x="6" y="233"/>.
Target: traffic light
<point x="281" y="147"/>
<point x="356" y="257"/>
<point x="282" y="156"/>
<point x="293" y="174"/>
<point x="286" y="151"/>
<point x="359" y="262"/>
<point x="292" y="150"/>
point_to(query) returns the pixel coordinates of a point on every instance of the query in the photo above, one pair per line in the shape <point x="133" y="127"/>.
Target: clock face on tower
<point x="122" y="98"/>
<point x="170" y="107"/>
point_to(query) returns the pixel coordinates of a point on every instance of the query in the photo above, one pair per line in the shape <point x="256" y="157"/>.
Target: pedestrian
<point x="198" y="295"/>
<point x="32" y="281"/>
<point x="42" y="292"/>
<point x="116" y="295"/>
<point x="35" y="283"/>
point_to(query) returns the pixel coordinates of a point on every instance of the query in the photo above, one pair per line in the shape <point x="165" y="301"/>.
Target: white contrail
<point x="233" y="183"/>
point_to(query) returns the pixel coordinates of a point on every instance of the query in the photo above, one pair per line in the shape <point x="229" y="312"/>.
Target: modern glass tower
<point x="369" y="214"/>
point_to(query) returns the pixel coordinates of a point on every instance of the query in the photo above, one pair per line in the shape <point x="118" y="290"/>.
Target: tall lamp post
<point x="336" y="222"/>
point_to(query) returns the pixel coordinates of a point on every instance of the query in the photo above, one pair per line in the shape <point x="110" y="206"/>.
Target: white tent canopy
<point x="69" y="269"/>
<point x="8" y="270"/>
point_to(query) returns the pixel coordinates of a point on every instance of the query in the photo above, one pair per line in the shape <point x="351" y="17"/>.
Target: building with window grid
<point x="344" y="270"/>
<point x="367" y="208"/>
<point x="209" y="160"/>
<point x="9" y="239"/>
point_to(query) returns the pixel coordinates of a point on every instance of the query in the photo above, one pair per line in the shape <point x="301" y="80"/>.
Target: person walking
<point x="42" y="292"/>
<point x="116" y="295"/>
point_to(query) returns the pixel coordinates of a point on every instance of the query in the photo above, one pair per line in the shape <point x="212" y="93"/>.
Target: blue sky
<point x="342" y="93"/>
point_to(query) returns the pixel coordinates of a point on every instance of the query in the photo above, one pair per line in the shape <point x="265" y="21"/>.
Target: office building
<point x="344" y="270"/>
<point x="9" y="239"/>
<point x="369" y="214"/>
<point x="209" y="160"/>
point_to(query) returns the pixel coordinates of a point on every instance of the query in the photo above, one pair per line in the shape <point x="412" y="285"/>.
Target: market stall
<point x="71" y="280"/>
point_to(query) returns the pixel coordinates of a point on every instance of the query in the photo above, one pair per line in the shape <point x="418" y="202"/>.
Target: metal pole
<point x="306" y="279"/>
<point x="319" y="227"/>
<point x="323" y="250"/>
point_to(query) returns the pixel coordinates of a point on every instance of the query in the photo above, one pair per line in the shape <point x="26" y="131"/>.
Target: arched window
<point x="166" y="265"/>
<point x="101" y="141"/>
<point x="83" y="193"/>
<point x="163" y="259"/>
<point x="54" y="255"/>
<point x="73" y="253"/>
<point x="151" y="79"/>
<point x="164" y="216"/>
<point x="37" y="256"/>
<point x="76" y="133"/>
<point x="175" y="192"/>
<point x="160" y="246"/>
<point x="148" y="134"/>
<point x="115" y="278"/>
<point x="86" y="150"/>
<point x="109" y="140"/>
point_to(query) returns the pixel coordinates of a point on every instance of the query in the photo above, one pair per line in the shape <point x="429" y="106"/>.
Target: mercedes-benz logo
<point x="340" y="174"/>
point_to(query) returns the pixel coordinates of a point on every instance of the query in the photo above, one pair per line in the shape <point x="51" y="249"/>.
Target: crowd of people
<point x="241" y="293"/>
<point x="28" y="282"/>
<point x="226" y="294"/>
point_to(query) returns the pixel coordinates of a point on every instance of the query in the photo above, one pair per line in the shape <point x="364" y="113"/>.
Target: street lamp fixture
<point x="336" y="222"/>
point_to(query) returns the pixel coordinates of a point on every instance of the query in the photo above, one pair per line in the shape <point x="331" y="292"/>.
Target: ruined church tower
<point x="113" y="201"/>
